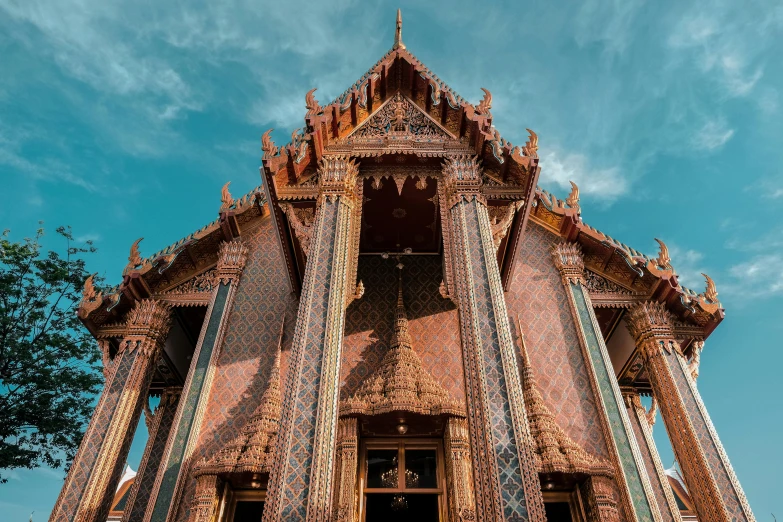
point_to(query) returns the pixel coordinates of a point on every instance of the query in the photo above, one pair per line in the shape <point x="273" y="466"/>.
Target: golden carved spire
<point x="398" y="32"/>
<point x="711" y="292"/>
<point x="225" y="198"/>
<point x="573" y="198"/>
<point x="252" y="451"/>
<point x="311" y="104"/>
<point x="663" y="260"/>
<point x="555" y="451"/>
<point x="134" y="258"/>
<point x="486" y="102"/>
<point x="400" y="383"/>
<point x="268" y="146"/>
<point x="531" y="146"/>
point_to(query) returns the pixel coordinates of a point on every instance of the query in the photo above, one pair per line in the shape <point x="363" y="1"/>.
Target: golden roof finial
<point x="711" y="293"/>
<point x="225" y="198"/>
<point x="531" y="147"/>
<point x="573" y="198"/>
<point x="664" y="261"/>
<point x="398" y="32"/>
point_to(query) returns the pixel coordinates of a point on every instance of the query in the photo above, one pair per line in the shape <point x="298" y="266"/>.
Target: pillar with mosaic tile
<point x="712" y="484"/>
<point x="642" y="422"/>
<point x="635" y="488"/>
<point x="506" y="484"/>
<point x="96" y="470"/>
<point x="301" y="482"/>
<point x="159" y="425"/>
<point x="190" y="412"/>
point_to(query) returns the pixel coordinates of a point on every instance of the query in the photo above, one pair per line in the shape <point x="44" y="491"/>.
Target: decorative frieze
<point x="568" y="260"/>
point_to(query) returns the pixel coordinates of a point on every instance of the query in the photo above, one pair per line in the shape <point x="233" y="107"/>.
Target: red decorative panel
<point x="433" y="322"/>
<point x="537" y="296"/>
<point x="263" y="298"/>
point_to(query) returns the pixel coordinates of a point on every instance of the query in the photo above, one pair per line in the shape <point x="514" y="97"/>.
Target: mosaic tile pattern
<point x="606" y="382"/>
<point x="191" y="398"/>
<point x="262" y="299"/>
<point x="536" y="295"/>
<point x="148" y="470"/>
<point x="709" y="446"/>
<point x="648" y="455"/>
<point x="79" y="474"/>
<point x="433" y="322"/>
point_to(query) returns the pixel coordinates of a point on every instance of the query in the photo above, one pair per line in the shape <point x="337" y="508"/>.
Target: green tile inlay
<point x="613" y="408"/>
<point x="191" y="400"/>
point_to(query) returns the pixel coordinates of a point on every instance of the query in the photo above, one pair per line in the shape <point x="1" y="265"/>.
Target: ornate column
<point x="459" y="472"/>
<point x="159" y="426"/>
<point x="164" y="499"/>
<point x="711" y="481"/>
<point x="642" y="422"/>
<point x="635" y="489"/>
<point x="96" y="470"/>
<point x="601" y="503"/>
<point x="346" y="491"/>
<point x="506" y="479"/>
<point x="301" y="481"/>
<point x="205" y="502"/>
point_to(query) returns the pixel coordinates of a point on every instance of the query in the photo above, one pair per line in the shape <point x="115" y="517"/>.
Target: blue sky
<point x="125" y="119"/>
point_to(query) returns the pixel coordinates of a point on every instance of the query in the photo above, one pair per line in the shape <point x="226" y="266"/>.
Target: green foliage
<point x="49" y="363"/>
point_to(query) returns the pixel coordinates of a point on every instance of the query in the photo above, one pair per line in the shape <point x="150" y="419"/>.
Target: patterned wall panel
<point x="433" y="322"/>
<point x="247" y="354"/>
<point x="537" y="296"/>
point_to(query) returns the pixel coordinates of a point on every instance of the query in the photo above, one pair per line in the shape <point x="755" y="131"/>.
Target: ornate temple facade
<point x="399" y="324"/>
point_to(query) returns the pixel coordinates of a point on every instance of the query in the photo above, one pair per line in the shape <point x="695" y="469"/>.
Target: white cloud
<point x="761" y="275"/>
<point x="603" y="183"/>
<point x="712" y="135"/>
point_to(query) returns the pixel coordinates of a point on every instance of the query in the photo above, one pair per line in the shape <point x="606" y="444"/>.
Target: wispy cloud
<point x="689" y="265"/>
<point x="603" y="183"/>
<point x="760" y="275"/>
<point x="712" y="135"/>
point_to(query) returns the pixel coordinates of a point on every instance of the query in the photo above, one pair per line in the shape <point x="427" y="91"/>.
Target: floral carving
<point x="301" y="221"/>
<point x="500" y="219"/>
<point x="399" y="117"/>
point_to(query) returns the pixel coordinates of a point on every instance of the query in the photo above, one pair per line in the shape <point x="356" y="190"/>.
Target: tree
<point x="49" y="369"/>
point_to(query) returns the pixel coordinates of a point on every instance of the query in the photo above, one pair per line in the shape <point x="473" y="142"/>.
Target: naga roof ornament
<point x="267" y="145"/>
<point x="711" y="292"/>
<point x="225" y="198"/>
<point x="573" y="198"/>
<point x="664" y="261"/>
<point x="401" y="383"/>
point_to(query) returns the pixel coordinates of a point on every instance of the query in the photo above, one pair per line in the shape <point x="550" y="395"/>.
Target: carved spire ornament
<point x="400" y="383"/>
<point x="134" y="258"/>
<point x="485" y="104"/>
<point x="573" y="198"/>
<point x="711" y="292"/>
<point x="696" y="349"/>
<point x="398" y="32"/>
<point x="531" y="146"/>
<point x="91" y="298"/>
<point x="663" y="261"/>
<point x="555" y="451"/>
<point x="313" y="108"/>
<point x="225" y="198"/>
<point x="268" y="146"/>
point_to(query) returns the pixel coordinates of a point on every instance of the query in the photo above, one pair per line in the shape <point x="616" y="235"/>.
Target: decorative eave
<point x="634" y="276"/>
<point x="165" y="270"/>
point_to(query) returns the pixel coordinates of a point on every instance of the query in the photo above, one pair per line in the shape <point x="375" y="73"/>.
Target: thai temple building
<point x="399" y="324"/>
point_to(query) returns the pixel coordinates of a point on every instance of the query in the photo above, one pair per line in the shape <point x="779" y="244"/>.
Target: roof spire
<point x="398" y="32"/>
<point x="401" y="335"/>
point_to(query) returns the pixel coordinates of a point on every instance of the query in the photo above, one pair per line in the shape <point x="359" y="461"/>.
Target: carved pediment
<point x="399" y="118"/>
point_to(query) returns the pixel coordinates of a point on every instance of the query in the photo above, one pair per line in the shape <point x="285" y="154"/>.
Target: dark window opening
<point x="558" y="511"/>
<point x="393" y="507"/>
<point x="248" y="511"/>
